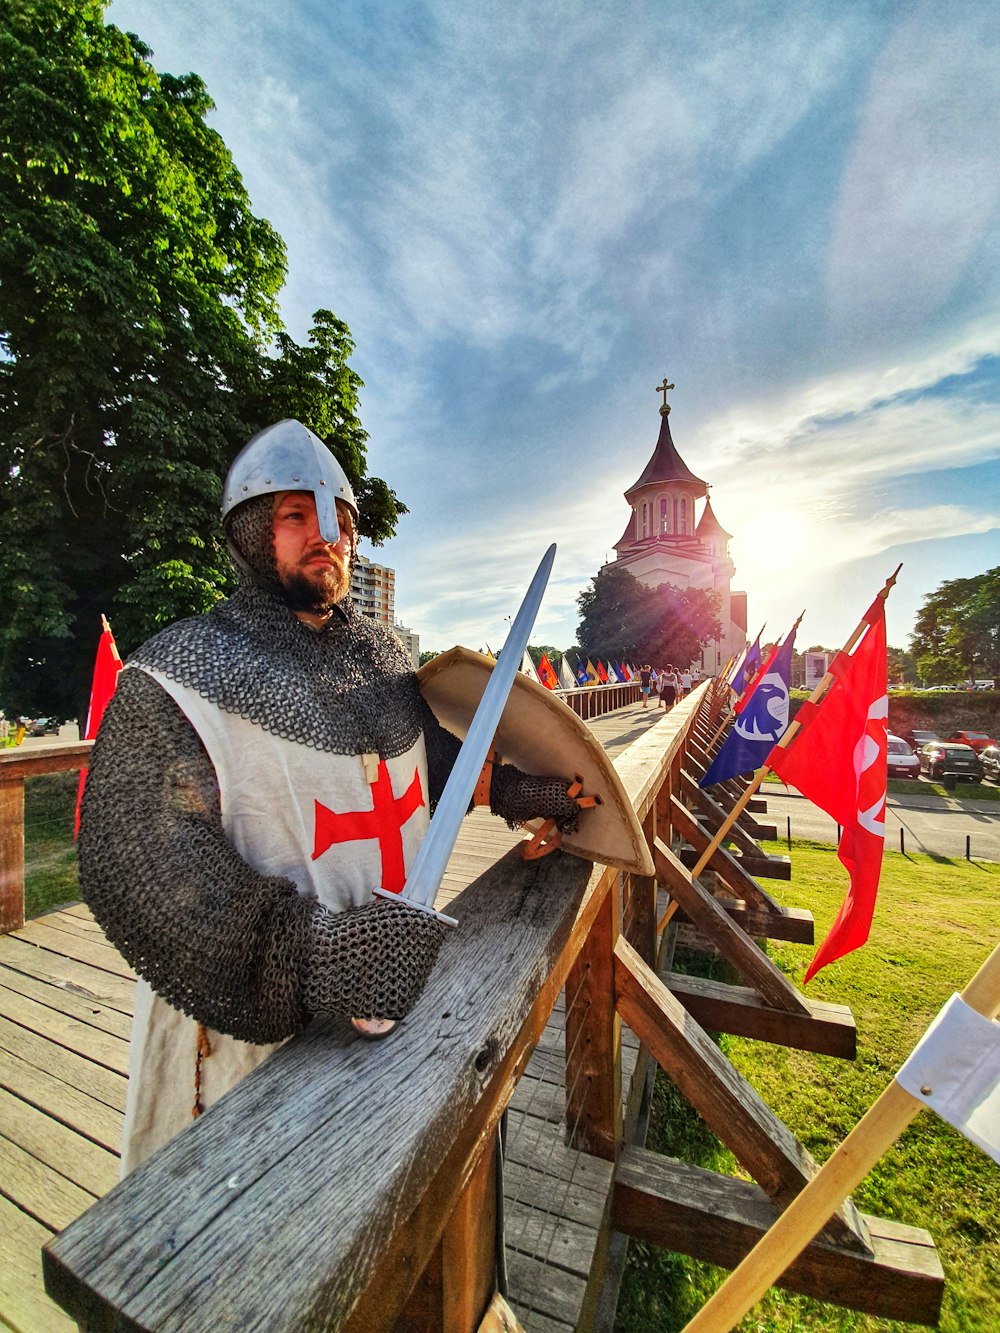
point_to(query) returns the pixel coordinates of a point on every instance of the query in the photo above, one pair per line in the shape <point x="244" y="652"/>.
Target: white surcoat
<point x="321" y="820"/>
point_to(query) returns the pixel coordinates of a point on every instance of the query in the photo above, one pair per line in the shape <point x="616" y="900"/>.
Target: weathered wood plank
<point x="93" y="1168"/>
<point x="718" y="1220"/>
<point x="555" y="1295"/>
<point x="83" y="1039"/>
<point x="737" y="948"/>
<point x="552" y="1238"/>
<point x="94" y="952"/>
<point x="25" y="1305"/>
<point x="102" y="1084"/>
<point x="732" y="1109"/>
<point x="64" y="1001"/>
<point x="69" y="1105"/>
<point x="40" y="1191"/>
<point x="90" y="983"/>
<point x="828" y="1029"/>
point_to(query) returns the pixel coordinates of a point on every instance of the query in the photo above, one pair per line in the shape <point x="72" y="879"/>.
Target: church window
<point x="664" y="515"/>
<point x="682" y="522"/>
<point x="645" y="519"/>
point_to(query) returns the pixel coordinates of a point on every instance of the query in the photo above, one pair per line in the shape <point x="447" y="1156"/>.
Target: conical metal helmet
<point x="289" y="457"/>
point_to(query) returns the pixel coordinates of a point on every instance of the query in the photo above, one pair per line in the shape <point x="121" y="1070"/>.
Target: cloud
<point x="921" y="184"/>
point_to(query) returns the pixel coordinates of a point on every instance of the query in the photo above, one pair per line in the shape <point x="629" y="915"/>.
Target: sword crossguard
<point x="547" y="838"/>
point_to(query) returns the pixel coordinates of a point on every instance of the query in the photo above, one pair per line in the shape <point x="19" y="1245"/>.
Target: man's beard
<point x="302" y="593"/>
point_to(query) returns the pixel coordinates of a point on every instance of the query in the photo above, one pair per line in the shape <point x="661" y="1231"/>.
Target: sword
<point x="429" y="865"/>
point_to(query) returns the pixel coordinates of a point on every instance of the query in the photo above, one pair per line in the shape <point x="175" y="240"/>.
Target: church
<point x="666" y="540"/>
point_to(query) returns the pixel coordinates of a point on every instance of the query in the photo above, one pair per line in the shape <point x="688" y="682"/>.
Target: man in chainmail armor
<point x="259" y="770"/>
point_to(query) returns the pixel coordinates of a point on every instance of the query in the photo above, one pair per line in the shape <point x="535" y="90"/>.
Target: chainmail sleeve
<point x="239" y="951"/>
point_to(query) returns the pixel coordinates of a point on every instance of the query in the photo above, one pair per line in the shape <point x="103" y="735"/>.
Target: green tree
<point x="140" y="346"/>
<point x="956" y="635"/>
<point x="623" y="619"/>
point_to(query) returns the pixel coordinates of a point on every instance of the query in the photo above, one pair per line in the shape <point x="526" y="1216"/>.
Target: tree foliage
<point x="956" y="635"/>
<point x="624" y="620"/>
<point x="140" y="346"/>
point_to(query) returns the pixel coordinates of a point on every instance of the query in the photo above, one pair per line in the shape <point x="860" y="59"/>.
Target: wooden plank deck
<point x="65" y="1013"/>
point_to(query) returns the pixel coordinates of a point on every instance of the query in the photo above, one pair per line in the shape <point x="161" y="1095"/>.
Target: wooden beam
<point x="732" y="1109"/>
<point x="727" y="867"/>
<point x="794" y="923"/>
<point x="828" y="1029"/>
<point x="718" y="1220"/>
<point x="736" y="947"/>
<point x="594" y="1038"/>
<point x="11" y="856"/>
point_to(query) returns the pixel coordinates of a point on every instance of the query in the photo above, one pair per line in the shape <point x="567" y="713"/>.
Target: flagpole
<point x="873" y="1135"/>
<point x="732" y="707"/>
<point x="793" y="728"/>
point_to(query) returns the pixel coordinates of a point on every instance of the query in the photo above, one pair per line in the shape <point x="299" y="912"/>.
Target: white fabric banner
<point x="955" y="1070"/>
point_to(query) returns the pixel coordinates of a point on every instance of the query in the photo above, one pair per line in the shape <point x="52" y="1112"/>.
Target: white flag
<point x="955" y="1070"/>
<point x="566" y="678"/>
<point x="528" y="666"/>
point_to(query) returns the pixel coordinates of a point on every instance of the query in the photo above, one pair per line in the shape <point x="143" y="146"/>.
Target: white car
<point x="901" y="762"/>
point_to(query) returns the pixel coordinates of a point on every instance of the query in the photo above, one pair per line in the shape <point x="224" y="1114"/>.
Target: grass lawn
<point x="49" y="851"/>
<point x="935" y="923"/>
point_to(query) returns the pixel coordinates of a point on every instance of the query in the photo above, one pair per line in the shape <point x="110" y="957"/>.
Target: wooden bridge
<point x="353" y="1185"/>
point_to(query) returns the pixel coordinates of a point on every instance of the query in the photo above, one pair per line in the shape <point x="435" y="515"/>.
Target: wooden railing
<point x="347" y="1184"/>
<point x="596" y="700"/>
<point x="15" y="767"/>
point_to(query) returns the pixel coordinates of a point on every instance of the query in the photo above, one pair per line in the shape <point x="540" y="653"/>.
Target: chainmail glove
<point x="518" y="797"/>
<point x="372" y="961"/>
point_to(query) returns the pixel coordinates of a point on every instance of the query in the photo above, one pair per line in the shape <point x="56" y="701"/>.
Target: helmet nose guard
<point x="289" y="457"/>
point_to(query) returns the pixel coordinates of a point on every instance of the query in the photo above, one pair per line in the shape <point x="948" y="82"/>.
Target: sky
<point x="529" y="214"/>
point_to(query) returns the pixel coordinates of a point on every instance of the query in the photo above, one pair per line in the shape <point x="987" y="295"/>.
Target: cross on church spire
<point x="663" y="388"/>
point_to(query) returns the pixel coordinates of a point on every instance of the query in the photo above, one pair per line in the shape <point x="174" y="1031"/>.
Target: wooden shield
<point x="541" y="734"/>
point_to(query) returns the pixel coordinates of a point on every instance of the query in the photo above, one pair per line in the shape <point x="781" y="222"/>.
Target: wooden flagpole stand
<point x="784" y="742"/>
<point x="873" y="1135"/>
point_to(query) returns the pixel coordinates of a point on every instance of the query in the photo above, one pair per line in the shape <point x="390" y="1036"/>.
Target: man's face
<point x="314" y="574"/>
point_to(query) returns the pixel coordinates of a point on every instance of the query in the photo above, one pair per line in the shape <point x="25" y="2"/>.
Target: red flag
<point x="546" y="673"/>
<point x="626" y="673"/>
<point x="838" y="761"/>
<point x="106" y="668"/>
<point x="602" y="672"/>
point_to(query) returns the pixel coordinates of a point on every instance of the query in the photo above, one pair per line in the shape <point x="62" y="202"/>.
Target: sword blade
<point x="428" y="869"/>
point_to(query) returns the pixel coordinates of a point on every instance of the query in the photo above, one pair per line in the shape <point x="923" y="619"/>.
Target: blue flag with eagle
<point x="761" y="724"/>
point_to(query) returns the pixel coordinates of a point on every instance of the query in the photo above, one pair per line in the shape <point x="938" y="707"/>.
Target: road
<point x="932" y="824"/>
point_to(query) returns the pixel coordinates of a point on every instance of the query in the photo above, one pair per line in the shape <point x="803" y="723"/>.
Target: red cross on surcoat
<point x="383" y="821"/>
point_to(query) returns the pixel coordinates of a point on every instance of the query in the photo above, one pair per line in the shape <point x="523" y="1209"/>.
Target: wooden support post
<point x="761" y="1143"/>
<point x="642" y="901"/>
<point x="593" y="1037"/>
<point x="454" y="1292"/>
<point x="11" y="855"/>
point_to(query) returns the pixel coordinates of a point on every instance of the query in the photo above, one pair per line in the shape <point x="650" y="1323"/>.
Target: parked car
<point x="901" y="762"/>
<point x="990" y="760"/>
<point x="979" y="740"/>
<point x="44" y="726"/>
<point x="916" y="738"/>
<point x="940" y="757"/>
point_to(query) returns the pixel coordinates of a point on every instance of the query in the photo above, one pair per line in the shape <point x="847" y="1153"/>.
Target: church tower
<point x="667" y="541"/>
